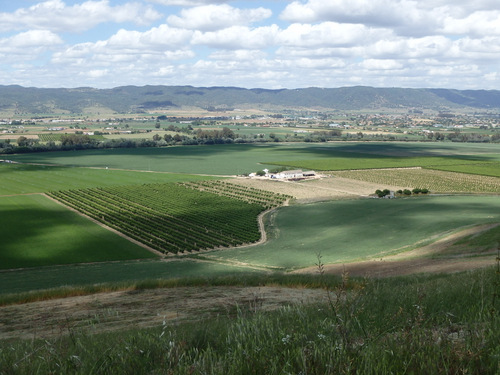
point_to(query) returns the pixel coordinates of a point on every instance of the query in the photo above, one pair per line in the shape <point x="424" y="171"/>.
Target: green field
<point x="363" y="161"/>
<point x="25" y="178"/>
<point x="173" y="218"/>
<point x="484" y="169"/>
<point x="345" y="231"/>
<point x="126" y="272"/>
<point x="35" y="232"/>
<point x="246" y="158"/>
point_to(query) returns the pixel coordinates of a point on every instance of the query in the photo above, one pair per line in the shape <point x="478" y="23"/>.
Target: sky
<point x="252" y="44"/>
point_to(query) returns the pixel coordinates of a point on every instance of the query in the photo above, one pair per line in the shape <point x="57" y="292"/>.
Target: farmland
<point x="436" y="181"/>
<point x="380" y="227"/>
<point x="176" y="218"/>
<point x="37" y="232"/>
<point x="245" y="158"/>
<point x="26" y="178"/>
<point x="211" y="307"/>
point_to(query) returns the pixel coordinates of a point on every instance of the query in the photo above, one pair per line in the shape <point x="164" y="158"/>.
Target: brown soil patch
<point x="315" y="190"/>
<point x="146" y="308"/>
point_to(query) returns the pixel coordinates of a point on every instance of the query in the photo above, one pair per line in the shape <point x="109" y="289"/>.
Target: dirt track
<point x="146" y="308"/>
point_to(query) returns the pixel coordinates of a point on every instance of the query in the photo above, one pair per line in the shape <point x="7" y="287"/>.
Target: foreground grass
<point x="414" y="325"/>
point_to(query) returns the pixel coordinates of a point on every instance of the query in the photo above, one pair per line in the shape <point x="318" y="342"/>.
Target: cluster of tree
<point x="415" y="191"/>
<point x="23" y="141"/>
<point x="76" y="140"/>
<point x="472" y="137"/>
<point x="215" y="135"/>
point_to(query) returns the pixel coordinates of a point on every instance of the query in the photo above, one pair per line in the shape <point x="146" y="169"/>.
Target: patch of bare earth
<point x="145" y="308"/>
<point x="317" y="189"/>
<point x="441" y="256"/>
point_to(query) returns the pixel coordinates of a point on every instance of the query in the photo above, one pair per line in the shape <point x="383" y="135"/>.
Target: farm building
<point x="298" y="173"/>
<point x="290" y="174"/>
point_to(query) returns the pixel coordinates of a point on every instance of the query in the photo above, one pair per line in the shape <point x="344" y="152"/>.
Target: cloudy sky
<point x="267" y="44"/>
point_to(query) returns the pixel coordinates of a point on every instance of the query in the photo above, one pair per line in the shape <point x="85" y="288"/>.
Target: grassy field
<point x="345" y="231"/>
<point x="123" y="272"/>
<point x="246" y="158"/>
<point x="446" y="324"/>
<point x="362" y="161"/>
<point x="25" y="178"/>
<point x="36" y="231"/>
<point x="484" y="169"/>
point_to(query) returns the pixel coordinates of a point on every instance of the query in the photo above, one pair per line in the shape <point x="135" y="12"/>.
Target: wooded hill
<point x="133" y="99"/>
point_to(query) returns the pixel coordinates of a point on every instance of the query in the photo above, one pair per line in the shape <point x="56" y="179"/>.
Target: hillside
<point x="127" y="99"/>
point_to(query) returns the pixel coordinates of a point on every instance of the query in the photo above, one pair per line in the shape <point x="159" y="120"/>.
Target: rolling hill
<point x="136" y="99"/>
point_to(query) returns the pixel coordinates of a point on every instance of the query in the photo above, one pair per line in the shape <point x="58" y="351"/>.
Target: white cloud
<point x="328" y="34"/>
<point x="481" y="23"/>
<point x="187" y="3"/>
<point x="55" y="15"/>
<point x="406" y="17"/>
<point x="238" y="37"/>
<point x="239" y="55"/>
<point x="155" y="46"/>
<point x="29" y="44"/>
<point x="216" y="17"/>
<point x="374" y="64"/>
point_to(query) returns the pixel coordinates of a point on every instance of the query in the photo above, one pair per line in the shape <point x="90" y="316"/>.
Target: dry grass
<point x="317" y="189"/>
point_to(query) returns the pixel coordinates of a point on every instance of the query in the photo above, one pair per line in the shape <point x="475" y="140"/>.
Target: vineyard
<point x="51" y="137"/>
<point x="173" y="218"/>
<point x="264" y="198"/>
<point x="434" y="180"/>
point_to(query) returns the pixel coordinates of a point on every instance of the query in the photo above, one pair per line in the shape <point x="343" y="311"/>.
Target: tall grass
<point x="412" y="325"/>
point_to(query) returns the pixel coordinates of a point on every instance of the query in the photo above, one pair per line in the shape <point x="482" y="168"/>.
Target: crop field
<point x="357" y="161"/>
<point x="349" y="230"/>
<point x="484" y="169"/>
<point x="174" y="218"/>
<point x="35" y="232"/>
<point x="25" y="178"/>
<point x="315" y="229"/>
<point x="246" y="158"/>
<point x="81" y="275"/>
<point x="51" y="137"/>
<point x="436" y="181"/>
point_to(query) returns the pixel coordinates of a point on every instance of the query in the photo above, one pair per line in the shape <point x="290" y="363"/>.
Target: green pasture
<point x="484" y="169"/>
<point x="245" y="158"/>
<point x="31" y="279"/>
<point x="346" y="231"/>
<point x="361" y="161"/>
<point x="25" y="178"/>
<point x="35" y="231"/>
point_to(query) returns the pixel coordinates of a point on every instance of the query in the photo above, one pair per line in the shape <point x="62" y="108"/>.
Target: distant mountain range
<point x="133" y="99"/>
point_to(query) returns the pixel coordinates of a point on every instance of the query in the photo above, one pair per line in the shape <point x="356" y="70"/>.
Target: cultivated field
<point x="322" y="189"/>
<point x="176" y="218"/>
<point x="26" y="178"/>
<point x="36" y="232"/>
<point x="434" y="180"/>
<point x="76" y="297"/>
<point x="353" y="230"/>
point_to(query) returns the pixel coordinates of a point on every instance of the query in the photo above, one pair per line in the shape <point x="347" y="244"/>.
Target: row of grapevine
<point x="247" y="194"/>
<point x="435" y="181"/>
<point x="56" y="137"/>
<point x="170" y="218"/>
